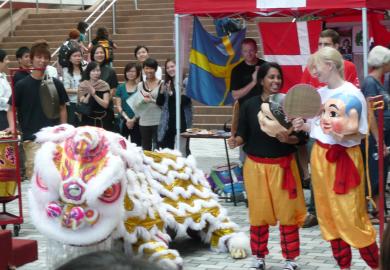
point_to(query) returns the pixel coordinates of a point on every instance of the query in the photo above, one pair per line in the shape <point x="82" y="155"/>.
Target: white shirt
<point x="326" y="93"/>
<point x="149" y="113"/>
<point x="71" y="82"/>
<point x="51" y="72"/>
<point x="5" y="92"/>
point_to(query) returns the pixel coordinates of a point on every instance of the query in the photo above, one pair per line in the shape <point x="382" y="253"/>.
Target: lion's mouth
<point x="72" y="216"/>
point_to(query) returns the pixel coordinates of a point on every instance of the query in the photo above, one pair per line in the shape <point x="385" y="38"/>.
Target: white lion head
<point x="78" y="185"/>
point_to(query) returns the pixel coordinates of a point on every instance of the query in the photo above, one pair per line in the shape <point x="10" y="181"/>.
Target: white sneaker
<point x="258" y="264"/>
<point x="290" y="265"/>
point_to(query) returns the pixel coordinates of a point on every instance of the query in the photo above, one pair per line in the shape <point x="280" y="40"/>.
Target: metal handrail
<point x="10" y="15"/>
<point x="5" y="2"/>
<point x="101" y="14"/>
<point x="95" y="10"/>
<point x="94" y="21"/>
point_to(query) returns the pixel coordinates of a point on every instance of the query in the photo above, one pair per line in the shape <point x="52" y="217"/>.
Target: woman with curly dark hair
<point x="94" y="93"/>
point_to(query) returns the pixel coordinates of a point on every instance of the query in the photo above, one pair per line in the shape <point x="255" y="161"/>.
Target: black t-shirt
<point x="20" y="75"/>
<point x="28" y="103"/>
<point x="256" y="142"/>
<point x="241" y="76"/>
<point x="94" y="104"/>
<point x="108" y="75"/>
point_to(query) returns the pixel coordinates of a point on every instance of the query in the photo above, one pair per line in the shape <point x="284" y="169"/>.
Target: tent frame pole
<point x="177" y="79"/>
<point x="365" y="41"/>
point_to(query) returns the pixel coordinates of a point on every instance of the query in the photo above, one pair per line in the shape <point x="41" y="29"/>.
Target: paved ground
<point x="315" y="253"/>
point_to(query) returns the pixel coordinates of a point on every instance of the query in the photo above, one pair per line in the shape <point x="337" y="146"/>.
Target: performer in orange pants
<point x="272" y="180"/>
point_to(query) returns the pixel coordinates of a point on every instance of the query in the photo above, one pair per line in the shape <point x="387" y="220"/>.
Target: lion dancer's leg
<point x="229" y="239"/>
<point x="289" y="241"/>
<point x="224" y="235"/>
<point x="259" y="240"/>
<point x="158" y="251"/>
<point x="370" y="255"/>
<point x="342" y="253"/>
<point x="259" y="243"/>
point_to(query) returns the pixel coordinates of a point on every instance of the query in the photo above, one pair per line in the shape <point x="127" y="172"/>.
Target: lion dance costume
<point x="91" y="186"/>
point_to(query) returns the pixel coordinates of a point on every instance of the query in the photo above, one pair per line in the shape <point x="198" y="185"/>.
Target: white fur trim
<point x="239" y="240"/>
<point x="47" y="171"/>
<point x="175" y="264"/>
<point x="51" y="134"/>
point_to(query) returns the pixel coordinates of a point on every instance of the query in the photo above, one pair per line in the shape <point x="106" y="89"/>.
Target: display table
<point x="216" y="135"/>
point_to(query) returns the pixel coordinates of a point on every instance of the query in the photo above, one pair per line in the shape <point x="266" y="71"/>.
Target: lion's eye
<point x="40" y="183"/>
<point x="111" y="194"/>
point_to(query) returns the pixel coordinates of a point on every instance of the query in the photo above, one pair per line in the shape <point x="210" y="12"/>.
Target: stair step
<point x="127" y="16"/>
<point x="119" y="12"/>
<point x="67" y="26"/>
<point x="116" y="37"/>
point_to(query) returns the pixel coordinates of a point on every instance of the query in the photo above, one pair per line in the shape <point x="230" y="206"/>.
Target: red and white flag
<point x="290" y="45"/>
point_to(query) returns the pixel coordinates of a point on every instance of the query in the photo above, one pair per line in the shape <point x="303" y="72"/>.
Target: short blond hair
<point x="378" y="56"/>
<point x="327" y="54"/>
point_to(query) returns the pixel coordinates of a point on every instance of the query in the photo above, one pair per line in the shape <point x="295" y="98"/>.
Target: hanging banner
<point x="264" y="4"/>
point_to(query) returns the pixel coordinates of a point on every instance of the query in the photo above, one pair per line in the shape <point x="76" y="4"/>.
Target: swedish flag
<point x="211" y="62"/>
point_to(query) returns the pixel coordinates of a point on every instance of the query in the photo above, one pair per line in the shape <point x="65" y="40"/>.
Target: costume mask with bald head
<point x="341" y="115"/>
<point x="272" y="118"/>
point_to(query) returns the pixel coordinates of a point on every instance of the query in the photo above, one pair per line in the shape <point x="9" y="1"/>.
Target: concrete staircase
<point x="151" y="25"/>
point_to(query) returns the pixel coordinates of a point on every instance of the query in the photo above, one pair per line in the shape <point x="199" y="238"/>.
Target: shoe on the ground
<point x="290" y="265"/>
<point x="258" y="264"/>
<point x="310" y="221"/>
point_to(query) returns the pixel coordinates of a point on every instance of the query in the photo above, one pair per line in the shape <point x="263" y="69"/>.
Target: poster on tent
<point x="345" y="42"/>
<point x="357" y="39"/>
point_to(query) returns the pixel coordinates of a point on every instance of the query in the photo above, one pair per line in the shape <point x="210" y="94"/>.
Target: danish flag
<point x="290" y="45"/>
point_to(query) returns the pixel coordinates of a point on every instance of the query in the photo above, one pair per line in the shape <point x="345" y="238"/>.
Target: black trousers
<point x="148" y="137"/>
<point x="3" y="120"/>
<point x="134" y="133"/>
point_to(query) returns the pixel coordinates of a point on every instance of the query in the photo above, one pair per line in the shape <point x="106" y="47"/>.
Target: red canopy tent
<point x="248" y="7"/>
<point x="319" y="8"/>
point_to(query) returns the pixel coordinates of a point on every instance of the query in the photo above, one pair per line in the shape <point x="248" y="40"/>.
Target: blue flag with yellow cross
<point x="211" y="62"/>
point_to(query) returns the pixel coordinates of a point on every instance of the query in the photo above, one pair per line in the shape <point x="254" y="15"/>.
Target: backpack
<point x="65" y="48"/>
<point x="49" y="98"/>
<point x="106" y="44"/>
<point x="226" y="26"/>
